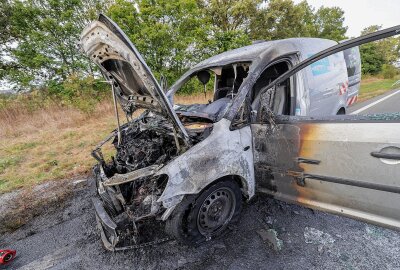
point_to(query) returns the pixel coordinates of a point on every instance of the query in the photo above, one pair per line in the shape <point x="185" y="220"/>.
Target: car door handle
<point x="308" y="161"/>
<point x="385" y="155"/>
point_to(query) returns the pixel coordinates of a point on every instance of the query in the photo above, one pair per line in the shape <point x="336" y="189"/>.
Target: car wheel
<point x="197" y="219"/>
<point x="342" y="111"/>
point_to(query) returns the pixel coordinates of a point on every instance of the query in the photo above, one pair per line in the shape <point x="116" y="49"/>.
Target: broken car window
<point x="347" y="82"/>
<point x="218" y="87"/>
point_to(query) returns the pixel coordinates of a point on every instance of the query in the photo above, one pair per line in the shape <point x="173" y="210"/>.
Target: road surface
<point x="386" y="103"/>
<point x="68" y="239"/>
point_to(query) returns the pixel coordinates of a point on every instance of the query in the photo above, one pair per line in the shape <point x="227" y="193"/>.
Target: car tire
<point x="200" y="218"/>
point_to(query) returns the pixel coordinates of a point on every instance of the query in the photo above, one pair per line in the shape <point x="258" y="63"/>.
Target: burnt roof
<point x="248" y="53"/>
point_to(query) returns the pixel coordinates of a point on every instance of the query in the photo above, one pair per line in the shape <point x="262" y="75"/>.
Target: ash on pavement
<point x="67" y="239"/>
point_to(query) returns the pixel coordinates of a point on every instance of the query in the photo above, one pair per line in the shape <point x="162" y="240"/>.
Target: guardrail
<point x="396" y="83"/>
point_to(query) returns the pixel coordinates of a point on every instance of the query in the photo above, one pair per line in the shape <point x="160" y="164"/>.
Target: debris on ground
<point x="20" y="207"/>
<point x="269" y="220"/>
<point x="6" y="256"/>
<point x="79" y="183"/>
<point x="314" y="236"/>
<point x="68" y="239"/>
<point x="271" y="237"/>
<point x="374" y="231"/>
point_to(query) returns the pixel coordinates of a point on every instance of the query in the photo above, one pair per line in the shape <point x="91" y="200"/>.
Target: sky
<point x="362" y="13"/>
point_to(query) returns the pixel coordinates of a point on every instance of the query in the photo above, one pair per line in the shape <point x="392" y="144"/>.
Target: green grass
<point x="8" y="162"/>
<point x="372" y="87"/>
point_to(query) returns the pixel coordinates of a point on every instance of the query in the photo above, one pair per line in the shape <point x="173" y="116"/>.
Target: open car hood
<point x="121" y="64"/>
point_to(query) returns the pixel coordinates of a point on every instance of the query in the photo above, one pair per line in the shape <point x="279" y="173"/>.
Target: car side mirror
<point x="204" y="77"/>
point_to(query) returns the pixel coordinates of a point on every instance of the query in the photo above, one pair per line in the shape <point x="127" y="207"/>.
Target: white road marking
<point x="375" y="102"/>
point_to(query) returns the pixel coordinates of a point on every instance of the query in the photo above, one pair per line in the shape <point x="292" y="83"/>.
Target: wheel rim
<point x="216" y="211"/>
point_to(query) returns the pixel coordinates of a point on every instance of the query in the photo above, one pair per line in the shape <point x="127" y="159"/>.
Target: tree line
<point x="39" y="38"/>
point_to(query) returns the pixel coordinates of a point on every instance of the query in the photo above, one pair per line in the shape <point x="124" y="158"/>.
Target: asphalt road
<point x="68" y="239"/>
<point x="386" y="103"/>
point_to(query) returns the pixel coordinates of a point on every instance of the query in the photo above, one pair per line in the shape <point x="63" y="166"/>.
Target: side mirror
<point x="203" y="76"/>
<point x="163" y="83"/>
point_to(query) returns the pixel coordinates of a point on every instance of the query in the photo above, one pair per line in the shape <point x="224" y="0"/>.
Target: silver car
<point x="186" y="172"/>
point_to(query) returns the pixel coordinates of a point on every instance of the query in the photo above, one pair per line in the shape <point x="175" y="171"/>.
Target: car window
<point x="360" y="80"/>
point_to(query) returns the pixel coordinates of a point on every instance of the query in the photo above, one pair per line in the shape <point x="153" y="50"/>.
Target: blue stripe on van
<point x="320" y="67"/>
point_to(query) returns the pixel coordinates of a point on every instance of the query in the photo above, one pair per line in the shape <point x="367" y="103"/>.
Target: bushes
<point x="389" y="71"/>
<point x="81" y="93"/>
<point x="78" y="92"/>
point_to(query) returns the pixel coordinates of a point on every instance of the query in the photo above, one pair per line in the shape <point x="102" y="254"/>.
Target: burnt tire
<point x="200" y="218"/>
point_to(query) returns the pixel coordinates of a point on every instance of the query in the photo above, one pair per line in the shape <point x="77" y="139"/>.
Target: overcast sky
<point x="362" y="13"/>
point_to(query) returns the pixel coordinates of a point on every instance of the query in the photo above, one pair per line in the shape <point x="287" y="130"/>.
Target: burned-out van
<point x="186" y="172"/>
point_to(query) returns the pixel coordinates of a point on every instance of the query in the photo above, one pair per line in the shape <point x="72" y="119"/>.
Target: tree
<point x="167" y="33"/>
<point x="5" y="13"/>
<point x="45" y="34"/>
<point x="40" y="36"/>
<point x="230" y="15"/>
<point x="6" y="37"/>
<point x="388" y="47"/>
<point x="376" y="54"/>
<point x="371" y="59"/>
<point x="229" y="23"/>
<point x="284" y="19"/>
<point x="329" y="23"/>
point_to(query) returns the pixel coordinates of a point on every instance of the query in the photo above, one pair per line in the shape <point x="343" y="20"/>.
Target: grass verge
<point x="375" y="86"/>
<point x="55" y="142"/>
<point x="50" y="143"/>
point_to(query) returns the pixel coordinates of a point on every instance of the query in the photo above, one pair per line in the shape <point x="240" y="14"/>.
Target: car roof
<point x="250" y="52"/>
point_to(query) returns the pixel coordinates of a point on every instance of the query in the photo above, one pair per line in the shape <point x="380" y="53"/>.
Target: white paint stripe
<point x="375" y="102"/>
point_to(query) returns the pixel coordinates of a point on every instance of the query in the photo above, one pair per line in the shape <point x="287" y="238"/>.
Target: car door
<point x="348" y="165"/>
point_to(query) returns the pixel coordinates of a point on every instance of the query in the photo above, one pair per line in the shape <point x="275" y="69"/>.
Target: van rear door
<point x="327" y="79"/>
<point x="353" y="64"/>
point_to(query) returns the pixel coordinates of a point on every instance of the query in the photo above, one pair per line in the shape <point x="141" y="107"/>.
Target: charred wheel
<point x="197" y="219"/>
<point x="216" y="211"/>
